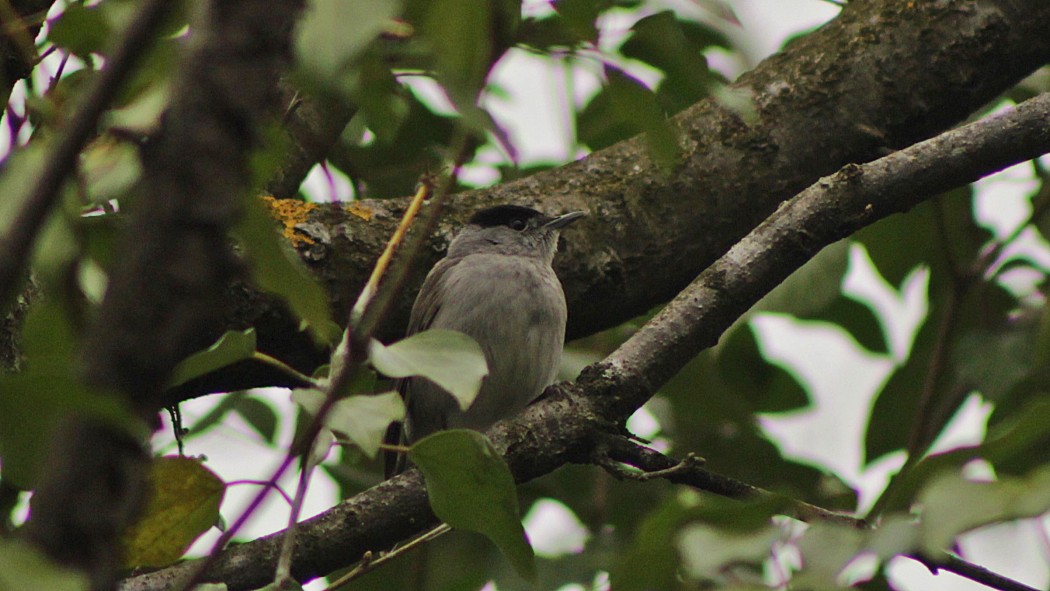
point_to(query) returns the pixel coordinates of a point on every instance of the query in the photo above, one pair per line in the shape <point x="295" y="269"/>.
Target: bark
<point x="165" y="297"/>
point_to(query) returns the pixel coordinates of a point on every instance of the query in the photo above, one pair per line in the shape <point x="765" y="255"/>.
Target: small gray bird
<point x="496" y="285"/>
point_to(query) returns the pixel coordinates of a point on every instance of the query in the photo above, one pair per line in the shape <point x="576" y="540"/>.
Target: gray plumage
<point x="496" y="285"/>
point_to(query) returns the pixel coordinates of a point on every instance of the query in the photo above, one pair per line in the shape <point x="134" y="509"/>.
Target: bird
<point x="496" y="285"/>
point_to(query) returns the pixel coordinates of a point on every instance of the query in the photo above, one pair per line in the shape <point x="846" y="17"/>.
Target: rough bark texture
<point x="881" y="76"/>
<point x="165" y="298"/>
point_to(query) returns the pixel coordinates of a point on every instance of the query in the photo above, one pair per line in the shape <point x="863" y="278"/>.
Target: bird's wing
<point x="428" y="302"/>
<point x="425" y="308"/>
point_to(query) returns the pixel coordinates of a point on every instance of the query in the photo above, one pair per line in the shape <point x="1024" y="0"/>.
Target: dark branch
<point x="974" y="572"/>
<point x="690" y="472"/>
<point x="166" y="294"/>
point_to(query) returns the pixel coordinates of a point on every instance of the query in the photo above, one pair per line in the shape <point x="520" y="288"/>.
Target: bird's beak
<point x="563" y="220"/>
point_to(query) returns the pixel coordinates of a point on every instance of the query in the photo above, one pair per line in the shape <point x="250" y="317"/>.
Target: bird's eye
<point x="517" y="224"/>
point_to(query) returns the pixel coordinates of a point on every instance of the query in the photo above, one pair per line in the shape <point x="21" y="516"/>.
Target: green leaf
<point x="660" y="41"/>
<point x="826" y="549"/>
<point x="580" y="18"/>
<point x="1015" y="444"/>
<point x="25" y="567"/>
<point x="897" y="245"/>
<point x="332" y="33"/>
<point x="650" y="562"/>
<point x="953" y="505"/>
<point x="34" y="401"/>
<point x="260" y="415"/>
<point x="363" y="418"/>
<point x="17" y="178"/>
<point x="82" y="30"/>
<point x="626" y="107"/>
<point x="217" y="412"/>
<point x="233" y="346"/>
<point x="110" y="168"/>
<point x="450" y="359"/>
<point x="707" y="413"/>
<point x="183" y="503"/>
<point x="707" y="551"/>
<point x="459" y="34"/>
<point x="471" y="487"/>
<point x="703" y="533"/>
<point x="277" y="269"/>
<point x="771" y="385"/>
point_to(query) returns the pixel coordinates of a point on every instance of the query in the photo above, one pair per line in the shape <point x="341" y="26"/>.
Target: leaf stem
<point x="284" y="367"/>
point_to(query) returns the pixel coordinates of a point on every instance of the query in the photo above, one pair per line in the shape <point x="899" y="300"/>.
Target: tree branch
<point x="561" y="427"/>
<point x="690" y="472"/>
<point x="166" y="293"/>
<point x="974" y="572"/>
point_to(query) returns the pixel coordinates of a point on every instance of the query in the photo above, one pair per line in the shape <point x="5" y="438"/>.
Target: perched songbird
<point x="496" y="285"/>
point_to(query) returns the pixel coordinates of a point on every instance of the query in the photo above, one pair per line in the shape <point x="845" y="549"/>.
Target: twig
<point x="974" y="572"/>
<point x="613" y="449"/>
<point x="16" y="245"/>
<point x="284" y="560"/>
<point x="346" y="356"/>
<point x="369" y="291"/>
<point x="377" y="311"/>
<point x="368" y="564"/>
<point x="276" y="487"/>
<point x="58" y="72"/>
<point x="284" y="367"/>
<point x="194" y="576"/>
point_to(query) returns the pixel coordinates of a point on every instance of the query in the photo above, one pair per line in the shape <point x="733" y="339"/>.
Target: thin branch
<point x="377" y="311"/>
<point x="383" y="263"/>
<point x="690" y="472"/>
<point x="17" y="243"/>
<point x="284" y="560"/>
<point x="368" y="564"/>
<point x="954" y="564"/>
<point x="275" y="486"/>
<point x="284" y="368"/>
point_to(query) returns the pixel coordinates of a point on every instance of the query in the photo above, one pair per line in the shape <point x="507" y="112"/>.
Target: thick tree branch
<point x="166" y="294"/>
<point x="881" y="76"/>
<point x="561" y="428"/>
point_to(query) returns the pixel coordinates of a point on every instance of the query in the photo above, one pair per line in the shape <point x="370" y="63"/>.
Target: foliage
<point x="980" y="328"/>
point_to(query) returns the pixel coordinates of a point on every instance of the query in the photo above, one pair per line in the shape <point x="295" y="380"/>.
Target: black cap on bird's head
<point x="511" y="229"/>
<point x="518" y="217"/>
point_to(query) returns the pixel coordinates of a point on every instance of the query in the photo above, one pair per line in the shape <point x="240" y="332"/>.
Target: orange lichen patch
<point x="359" y="210"/>
<point x="290" y="212"/>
